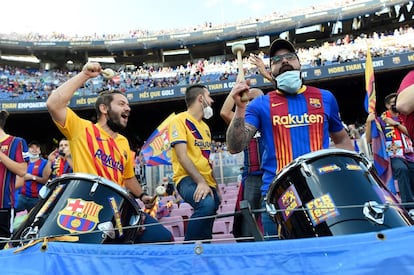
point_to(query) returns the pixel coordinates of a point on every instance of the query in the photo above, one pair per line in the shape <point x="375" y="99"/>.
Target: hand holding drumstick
<point x="238" y="50"/>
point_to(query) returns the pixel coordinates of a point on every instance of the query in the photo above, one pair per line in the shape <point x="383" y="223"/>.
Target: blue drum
<point x="92" y="208"/>
<point x="332" y="192"/>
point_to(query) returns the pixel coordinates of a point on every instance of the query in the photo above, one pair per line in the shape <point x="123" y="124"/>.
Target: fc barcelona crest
<point x="315" y="102"/>
<point x="79" y="216"/>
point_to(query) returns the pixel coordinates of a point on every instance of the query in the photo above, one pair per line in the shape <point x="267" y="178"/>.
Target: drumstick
<point x="107" y="73"/>
<point x="238" y="50"/>
<point x="159" y="191"/>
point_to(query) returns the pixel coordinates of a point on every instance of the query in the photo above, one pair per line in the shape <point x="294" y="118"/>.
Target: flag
<point x="382" y="161"/>
<point x="370" y="98"/>
<point x="156" y="150"/>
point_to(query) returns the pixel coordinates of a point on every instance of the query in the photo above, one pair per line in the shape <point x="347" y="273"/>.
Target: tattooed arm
<point x="239" y="133"/>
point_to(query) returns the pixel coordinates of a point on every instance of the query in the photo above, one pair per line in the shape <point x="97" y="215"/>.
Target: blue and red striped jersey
<point x="13" y="147"/>
<point x="292" y="125"/>
<point x="31" y="188"/>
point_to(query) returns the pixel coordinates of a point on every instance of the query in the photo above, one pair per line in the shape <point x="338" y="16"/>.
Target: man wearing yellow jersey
<point x="191" y="145"/>
<point x="99" y="149"/>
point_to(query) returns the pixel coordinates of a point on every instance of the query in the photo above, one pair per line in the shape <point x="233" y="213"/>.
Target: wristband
<point x="142" y="194"/>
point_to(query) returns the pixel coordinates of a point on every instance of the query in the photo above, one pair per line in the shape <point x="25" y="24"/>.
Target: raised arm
<point x="238" y="133"/>
<point x="226" y="111"/>
<point x="57" y="101"/>
<point x="258" y="62"/>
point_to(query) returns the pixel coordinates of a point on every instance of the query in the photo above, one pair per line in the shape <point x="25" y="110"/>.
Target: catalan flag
<point x="382" y="161"/>
<point x="157" y="149"/>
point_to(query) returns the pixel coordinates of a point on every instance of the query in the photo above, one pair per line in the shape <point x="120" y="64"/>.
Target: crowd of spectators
<point x="23" y="84"/>
<point x="138" y="33"/>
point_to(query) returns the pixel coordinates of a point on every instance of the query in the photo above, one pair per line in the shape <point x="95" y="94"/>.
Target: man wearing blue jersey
<point x="12" y="164"/>
<point x="293" y="120"/>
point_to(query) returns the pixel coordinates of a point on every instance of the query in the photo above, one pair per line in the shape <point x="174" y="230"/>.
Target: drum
<point x="92" y="208"/>
<point x="332" y="192"/>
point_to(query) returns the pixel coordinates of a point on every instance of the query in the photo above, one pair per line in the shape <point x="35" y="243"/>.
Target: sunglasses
<point x="277" y="59"/>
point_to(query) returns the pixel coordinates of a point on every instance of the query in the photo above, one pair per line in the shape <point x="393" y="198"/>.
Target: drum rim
<point x="95" y="178"/>
<point x="308" y="156"/>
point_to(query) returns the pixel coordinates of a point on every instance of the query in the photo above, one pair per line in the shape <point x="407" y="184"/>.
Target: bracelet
<point x="142" y="194"/>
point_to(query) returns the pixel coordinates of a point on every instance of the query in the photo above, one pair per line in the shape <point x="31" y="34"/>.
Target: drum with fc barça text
<point x="332" y="192"/>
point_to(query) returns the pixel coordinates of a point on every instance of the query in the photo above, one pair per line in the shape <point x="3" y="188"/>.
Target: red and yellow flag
<point x="370" y="99"/>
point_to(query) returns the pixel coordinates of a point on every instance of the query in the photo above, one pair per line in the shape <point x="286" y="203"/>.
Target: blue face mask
<point x="289" y="82"/>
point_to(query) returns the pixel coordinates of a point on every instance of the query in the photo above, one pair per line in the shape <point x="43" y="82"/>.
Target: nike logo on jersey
<point x="277" y="104"/>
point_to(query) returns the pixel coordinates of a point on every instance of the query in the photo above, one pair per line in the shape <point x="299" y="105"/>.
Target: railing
<point x="226" y="169"/>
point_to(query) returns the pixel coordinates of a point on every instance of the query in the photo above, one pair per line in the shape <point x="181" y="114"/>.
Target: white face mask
<point x="207" y="111"/>
<point x="289" y="82"/>
<point x="33" y="156"/>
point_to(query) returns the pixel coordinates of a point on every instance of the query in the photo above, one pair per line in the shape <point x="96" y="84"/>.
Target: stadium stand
<point x="389" y="36"/>
<point x="17" y="84"/>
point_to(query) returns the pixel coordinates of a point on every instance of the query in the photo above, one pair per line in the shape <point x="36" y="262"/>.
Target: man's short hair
<point x="192" y="92"/>
<point x="3" y="118"/>
<point x="105" y="98"/>
<point x="34" y="142"/>
<point x="388" y="98"/>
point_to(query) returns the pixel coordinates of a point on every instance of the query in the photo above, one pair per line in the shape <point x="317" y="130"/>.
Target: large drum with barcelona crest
<point x="92" y="208"/>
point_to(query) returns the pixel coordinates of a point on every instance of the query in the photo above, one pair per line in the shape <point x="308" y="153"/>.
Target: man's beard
<point x="286" y="68"/>
<point x="113" y="122"/>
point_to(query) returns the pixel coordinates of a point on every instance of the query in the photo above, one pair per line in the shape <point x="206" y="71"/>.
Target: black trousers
<point x="5" y="225"/>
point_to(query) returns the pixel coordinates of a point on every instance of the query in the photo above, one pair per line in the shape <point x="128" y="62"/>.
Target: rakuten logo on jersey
<point x="297" y="120"/>
<point x="108" y="161"/>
